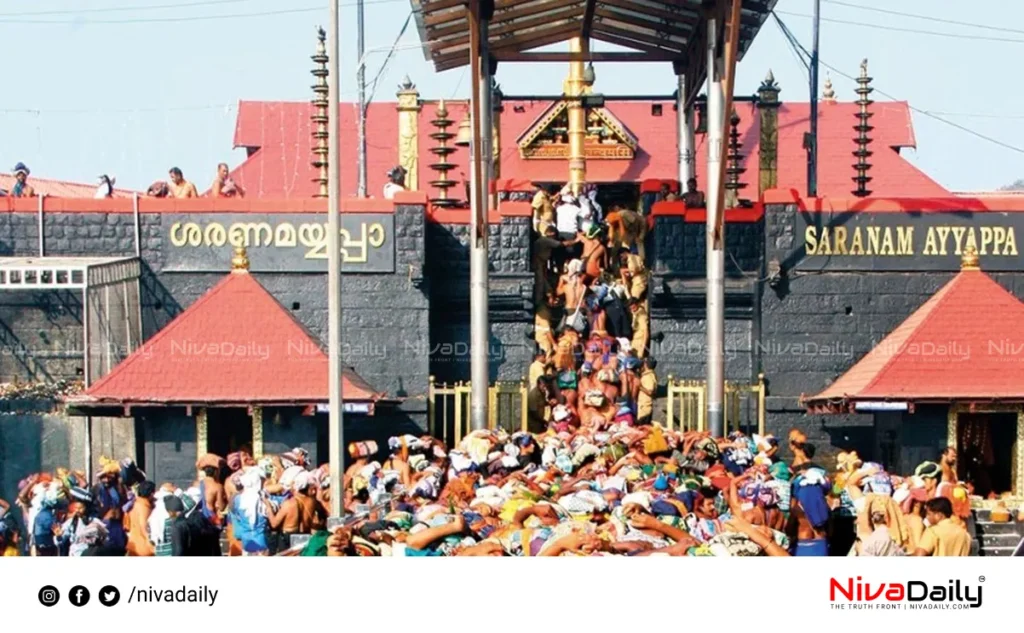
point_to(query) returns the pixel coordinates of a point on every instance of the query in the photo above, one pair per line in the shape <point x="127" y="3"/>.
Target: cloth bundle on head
<point x="108" y="467"/>
<point x="299" y="456"/>
<point x="287" y="478"/>
<point x="810" y="489"/>
<point x="642" y="499"/>
<point x="80" y="494"/>
<point x="709" y="446"/>
<point x="209" y="460"/>
<point x="848" y="461"/>
<point x="94" y="533"/>
<point x="234" y="461"/>
<point x="594" y="398"/>
<point x="266" y="464"/>
<point x="878" y="483"/>
<point x="575" y="267"/>
<point x="655" y="442"/>
<point x="191" y="499"/>
<point x="928" y="470"/>
<point x="361" y="450"/>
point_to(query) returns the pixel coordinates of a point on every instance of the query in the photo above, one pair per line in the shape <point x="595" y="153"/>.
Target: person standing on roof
<point x="179" y="187"/>
<point x="21" y="188"/>
<point x="395" y="183"/>
<point x="223" y="186"/>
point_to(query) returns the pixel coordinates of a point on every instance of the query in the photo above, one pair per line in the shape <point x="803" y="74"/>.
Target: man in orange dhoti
<point x="139" y="543"/>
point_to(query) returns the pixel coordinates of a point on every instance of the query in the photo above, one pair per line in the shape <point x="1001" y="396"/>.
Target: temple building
<point x="952" y="374"/>
<point x="234" y="371"/>
<point x="628" y="143"/>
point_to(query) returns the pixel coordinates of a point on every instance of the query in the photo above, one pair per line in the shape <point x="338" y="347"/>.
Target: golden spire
<point x="240" y="262"/>
<point x="828" y="94"/>
<point x="969" y="261"/>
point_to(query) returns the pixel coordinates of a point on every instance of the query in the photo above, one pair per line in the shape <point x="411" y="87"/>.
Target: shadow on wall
<point x="159" y="307"/>
<point x="30" y="442"/>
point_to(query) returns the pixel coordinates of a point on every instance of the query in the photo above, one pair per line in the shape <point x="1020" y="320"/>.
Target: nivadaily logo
<point x="912" y="594"/>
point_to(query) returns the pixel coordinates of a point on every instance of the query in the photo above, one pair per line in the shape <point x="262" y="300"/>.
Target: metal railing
<point x="448" y="408"/>
<point x="744" y="405"/>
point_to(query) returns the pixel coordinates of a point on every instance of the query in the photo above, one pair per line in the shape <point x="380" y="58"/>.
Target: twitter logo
<point x="109" y="596"/>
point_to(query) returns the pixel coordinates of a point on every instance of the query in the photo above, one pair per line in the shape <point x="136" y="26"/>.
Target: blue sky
<point x="132" y="87"/>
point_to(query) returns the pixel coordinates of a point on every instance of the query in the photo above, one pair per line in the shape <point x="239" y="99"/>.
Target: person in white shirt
<point x="396" y="182"/>
<point x="567" y="217"/>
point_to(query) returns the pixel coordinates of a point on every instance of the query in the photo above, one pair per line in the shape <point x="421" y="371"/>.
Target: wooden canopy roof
<point x="656" y="30"/>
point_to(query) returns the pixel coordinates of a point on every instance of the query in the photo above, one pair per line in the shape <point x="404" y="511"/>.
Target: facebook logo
<point x="79" y="596"/>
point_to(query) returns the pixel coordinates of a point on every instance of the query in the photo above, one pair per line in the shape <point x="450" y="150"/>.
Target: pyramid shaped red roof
<point x="278" y="138"/>
<point x="236" y="344"/>
<point x="965" y="343"/>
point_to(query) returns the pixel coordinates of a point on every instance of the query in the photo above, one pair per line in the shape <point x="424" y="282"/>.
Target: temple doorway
<point x="228" y="430"/>
<point x="623" y="194"/>
<point x="986" y="445"/>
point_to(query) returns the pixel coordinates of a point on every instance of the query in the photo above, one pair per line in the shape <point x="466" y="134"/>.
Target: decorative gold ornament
<point x="408" y="131"/>
<point x="319" y="116"/>
<point x="202" y="429"/>
<point x="240" y="262"/>
<point x="257" y="432"/>
<point x="969" y="261"/>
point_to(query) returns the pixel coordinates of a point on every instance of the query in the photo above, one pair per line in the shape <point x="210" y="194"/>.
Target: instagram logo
<point x="49" y="596"/>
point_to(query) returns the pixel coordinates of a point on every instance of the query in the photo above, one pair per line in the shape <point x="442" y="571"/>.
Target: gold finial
<point x="828" y="94"/>
<point x="240" y="262"/>
<point x="970" y="259"/>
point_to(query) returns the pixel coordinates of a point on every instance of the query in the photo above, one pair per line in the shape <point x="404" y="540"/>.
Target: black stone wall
<point x="817" y="324"/>
<point x="678" y="297"/>
<point x="510" y="299"/>
<point x="386" y="317"/>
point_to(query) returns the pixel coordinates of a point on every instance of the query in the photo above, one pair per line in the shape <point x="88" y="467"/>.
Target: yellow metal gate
<point x="744" y="405"/>
<point x="448" y="408"/>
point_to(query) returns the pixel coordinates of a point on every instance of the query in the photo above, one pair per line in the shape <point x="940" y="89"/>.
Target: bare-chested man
<point x="179" y="187"/>
<point x="214" y="501"/>
<point x="302" y="513"/>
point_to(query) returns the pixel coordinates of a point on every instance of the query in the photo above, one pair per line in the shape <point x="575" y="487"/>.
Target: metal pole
<point x="479" y="328"/>
<point x="812" y="144"/>
<point x="684" y="116"/>
<point x="335" y="419"/>
<point x="715" y="250"/>
<point x="42" y="236"/>
<point x="361" y="80"/>
<point x="86" y="380"/>
<point x="138" y="224"/>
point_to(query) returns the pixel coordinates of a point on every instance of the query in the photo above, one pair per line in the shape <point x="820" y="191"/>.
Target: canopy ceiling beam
<point x="679" y="15"/>
<point x="655" y="24"/>
<point x="501" y="13"/>
<point x="658" y="56"/>
<point x="657" y="30"/>
<point x="611" y="38"/>
<point x="588" y="22"/>
<point x="640" y="38"/>
<point x="508" y="28"/>
<point x="520" y="43"/>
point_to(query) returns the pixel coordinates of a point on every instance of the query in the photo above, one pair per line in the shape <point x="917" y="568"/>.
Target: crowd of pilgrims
<point x="592" y="474"/>
<point x="600" y="488"/>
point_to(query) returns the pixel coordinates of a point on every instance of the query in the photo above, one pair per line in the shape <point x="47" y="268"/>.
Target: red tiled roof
<point x="278" y="136"/>
<point x="236" y="344"/>
<point x="964" y="343"/>
<point x="61" y="188"/>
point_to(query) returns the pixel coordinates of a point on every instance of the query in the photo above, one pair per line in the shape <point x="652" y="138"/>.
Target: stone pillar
<point x="408" y="132"/>
<point x="768" y="159"/>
